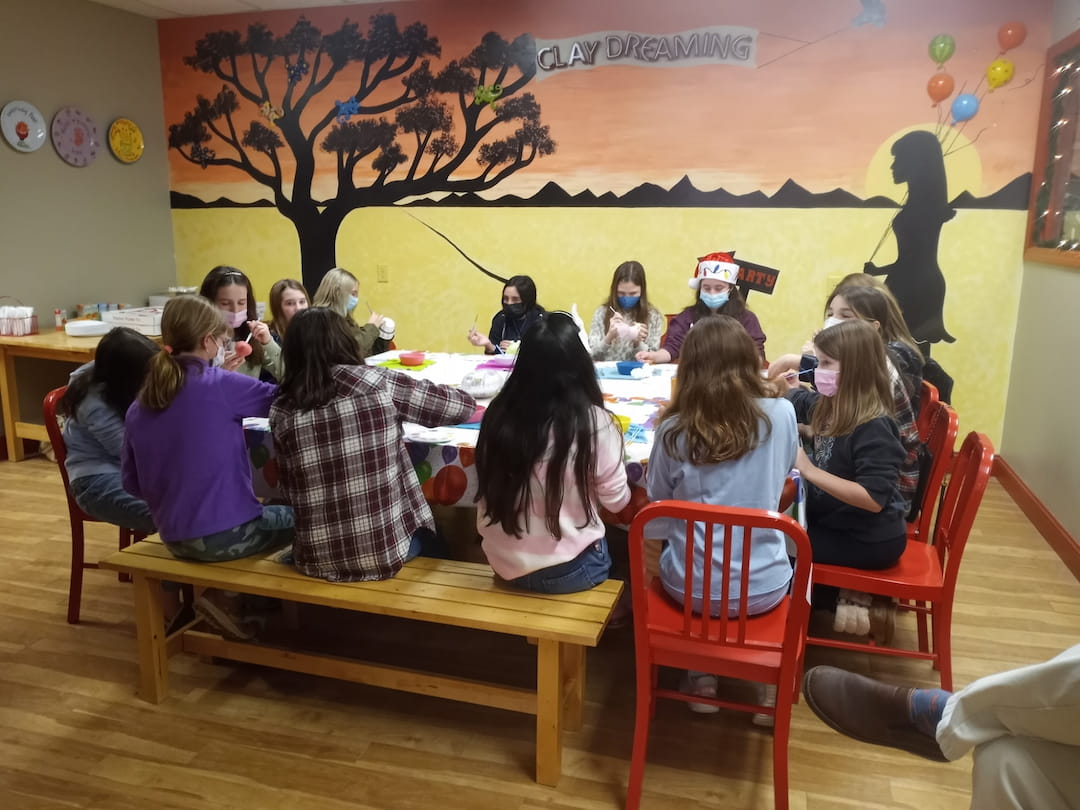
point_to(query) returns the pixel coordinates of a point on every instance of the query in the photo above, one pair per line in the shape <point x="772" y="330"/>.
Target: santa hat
<point x="720" y="266"/>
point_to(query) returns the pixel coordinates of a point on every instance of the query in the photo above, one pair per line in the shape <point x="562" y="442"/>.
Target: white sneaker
<point x="701" y="684"/>
<point x="766" y="697"/>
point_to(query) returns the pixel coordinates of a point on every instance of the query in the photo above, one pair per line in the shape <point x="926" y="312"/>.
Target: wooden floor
<point x="72" y="733"/>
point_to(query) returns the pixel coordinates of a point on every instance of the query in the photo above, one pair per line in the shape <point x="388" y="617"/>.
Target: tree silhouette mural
<point x="473" y="106"/>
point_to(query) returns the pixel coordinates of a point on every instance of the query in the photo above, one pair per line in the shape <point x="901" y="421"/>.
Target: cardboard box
<point x="146" y="320"/>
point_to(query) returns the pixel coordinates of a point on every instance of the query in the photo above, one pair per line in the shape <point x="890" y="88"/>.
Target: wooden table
<point x="48" y="346"/>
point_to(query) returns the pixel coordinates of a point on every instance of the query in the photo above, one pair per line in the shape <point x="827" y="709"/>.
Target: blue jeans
<point x="104" y="497"/>
<point x="585" y="571"/>
<point x="272" y="529"/>
<point x="427" y="543"/>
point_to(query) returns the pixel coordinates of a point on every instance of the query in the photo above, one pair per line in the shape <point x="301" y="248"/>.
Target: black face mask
<point x="514" y="310"/>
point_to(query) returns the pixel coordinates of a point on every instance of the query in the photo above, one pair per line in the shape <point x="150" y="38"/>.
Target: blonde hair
<point x="185" y="323"/>
<point x="334" y="291"/>
<point x="279" y="323"/>
<point x="864" y="391"/>
<point x="715" y="405"/>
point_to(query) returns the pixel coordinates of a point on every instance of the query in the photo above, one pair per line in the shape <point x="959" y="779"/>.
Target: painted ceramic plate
<point x="126" y="140"/>
<point x="75" y="136"/>
<point x="23" y="126"/>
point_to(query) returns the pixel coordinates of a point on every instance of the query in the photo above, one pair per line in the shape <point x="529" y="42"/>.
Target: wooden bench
<point x="444" y="592"/>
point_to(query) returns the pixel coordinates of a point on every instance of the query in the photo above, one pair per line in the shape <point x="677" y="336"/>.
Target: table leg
<point x="150" y="638"/>
<point x="573" y="685"/>
<point x="549" y="712"/>
<point x="9" y="401"/>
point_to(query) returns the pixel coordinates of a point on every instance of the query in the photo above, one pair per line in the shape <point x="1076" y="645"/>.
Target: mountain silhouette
<point x="178" y="199"/>
<point x="1013" y="196"/>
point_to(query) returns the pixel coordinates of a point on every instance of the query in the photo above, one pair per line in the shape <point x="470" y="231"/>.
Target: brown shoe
<point x="867" y="710"/>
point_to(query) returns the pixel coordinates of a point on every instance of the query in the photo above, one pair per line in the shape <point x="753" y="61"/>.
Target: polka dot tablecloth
<point x="446" y="469"/>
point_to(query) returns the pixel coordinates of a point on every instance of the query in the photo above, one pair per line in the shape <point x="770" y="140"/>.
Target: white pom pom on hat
<point x="719" y="266"/>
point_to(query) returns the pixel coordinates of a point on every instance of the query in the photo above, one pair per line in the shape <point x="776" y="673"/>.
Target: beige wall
<point x="99" y="233"/>
<point x="1040" y="439"/>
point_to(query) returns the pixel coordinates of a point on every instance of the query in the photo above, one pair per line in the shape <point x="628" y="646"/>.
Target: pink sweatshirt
<point x="514" y="557"/>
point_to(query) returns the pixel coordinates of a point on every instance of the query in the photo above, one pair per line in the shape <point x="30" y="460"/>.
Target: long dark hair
<point x="544" y="412"/>
<point x="633" y="273"/>
<point x="526" y="288"/>
<point x="317" y="340"/>
<point x="224" y="276"/>
<point x="121" y="363"/>
<point x="715" y="407"/>
<point x="921" y="165"/>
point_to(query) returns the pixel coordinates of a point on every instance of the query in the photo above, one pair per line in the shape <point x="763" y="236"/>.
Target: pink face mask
<point x="235" y="319"/>
<point x="826" y="381"/>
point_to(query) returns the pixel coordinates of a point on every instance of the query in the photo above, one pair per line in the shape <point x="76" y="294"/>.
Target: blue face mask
<point x="714" y="300"/>
<point x="629" y="301"/>
<point x="350" y="304"/>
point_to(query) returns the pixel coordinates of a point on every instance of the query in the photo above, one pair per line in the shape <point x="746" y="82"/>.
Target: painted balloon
<point x="423" y="471"/>
<point x="447" y="487"/>
<point x="939" y="87"/>
<point x="270" y="473"/>
<point x="1011" y="35"/>
<point x="942" y="47"/>
<point x="999" y="73"/>
<point x="964" y="107"/>
<point x="259" y="456"/>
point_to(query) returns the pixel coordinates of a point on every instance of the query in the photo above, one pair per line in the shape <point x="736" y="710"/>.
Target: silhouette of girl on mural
<point x="915" y="278"/>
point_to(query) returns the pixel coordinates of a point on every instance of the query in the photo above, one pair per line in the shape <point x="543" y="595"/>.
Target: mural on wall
<point x="287" y="79"/>
<point x="685" y="106"/>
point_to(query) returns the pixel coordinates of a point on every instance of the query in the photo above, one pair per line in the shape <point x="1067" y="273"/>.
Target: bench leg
<point x="150" y="637"/>
<point x="549" y="712"/>
<point x="573" y="684"/>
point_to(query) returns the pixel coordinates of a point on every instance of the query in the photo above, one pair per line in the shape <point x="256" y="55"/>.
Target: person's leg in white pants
<point x="1022" y="773"/>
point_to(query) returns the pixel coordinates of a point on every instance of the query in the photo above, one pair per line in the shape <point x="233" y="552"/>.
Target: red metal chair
<point x="942" y="426"/>
<point x="941" y="443"/>
<point x="926" y="572"/>
<point x="928" y="400"/>
<point x="75" y="514"/>
<point x="766" y="649"/>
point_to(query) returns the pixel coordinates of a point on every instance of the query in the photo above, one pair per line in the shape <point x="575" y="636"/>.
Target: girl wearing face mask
<point x="854" y="510"/>
<point x="714" y="279"/>
<point x="625" y="323"/>
<point x="231" y="292"/>
<point x="184" y="453"/>
<point x="287" y="297"/>
<point x="871" y="305"/>
<point x="519" y="312"/>
<point x="340" y="291"/>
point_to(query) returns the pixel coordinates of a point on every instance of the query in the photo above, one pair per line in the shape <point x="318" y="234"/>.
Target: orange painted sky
<point x="814" y="113"/>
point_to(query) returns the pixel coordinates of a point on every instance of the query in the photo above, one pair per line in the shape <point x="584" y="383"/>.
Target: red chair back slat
<point x="941" y="442"/>
<point x="967" y="482"/>
<point x="724" y="630"/>
<point x="928" y="398"/>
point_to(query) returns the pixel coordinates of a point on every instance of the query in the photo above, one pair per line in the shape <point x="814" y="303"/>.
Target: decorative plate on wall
<point x="23" y="126"/>
<point x="126" y="140"/>
<point x="75" y="136"/>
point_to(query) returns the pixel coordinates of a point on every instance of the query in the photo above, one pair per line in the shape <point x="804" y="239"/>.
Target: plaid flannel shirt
<point x="346" y="471"/>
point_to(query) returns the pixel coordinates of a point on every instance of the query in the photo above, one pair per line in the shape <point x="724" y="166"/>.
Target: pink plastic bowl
<point x="411" y="358"/>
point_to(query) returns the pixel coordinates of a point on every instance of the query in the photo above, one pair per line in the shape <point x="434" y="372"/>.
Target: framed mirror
<point x="1053" y="232"/>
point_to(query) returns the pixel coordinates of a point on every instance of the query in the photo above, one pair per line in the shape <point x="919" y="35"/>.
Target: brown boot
<point x="867" y="710"/>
